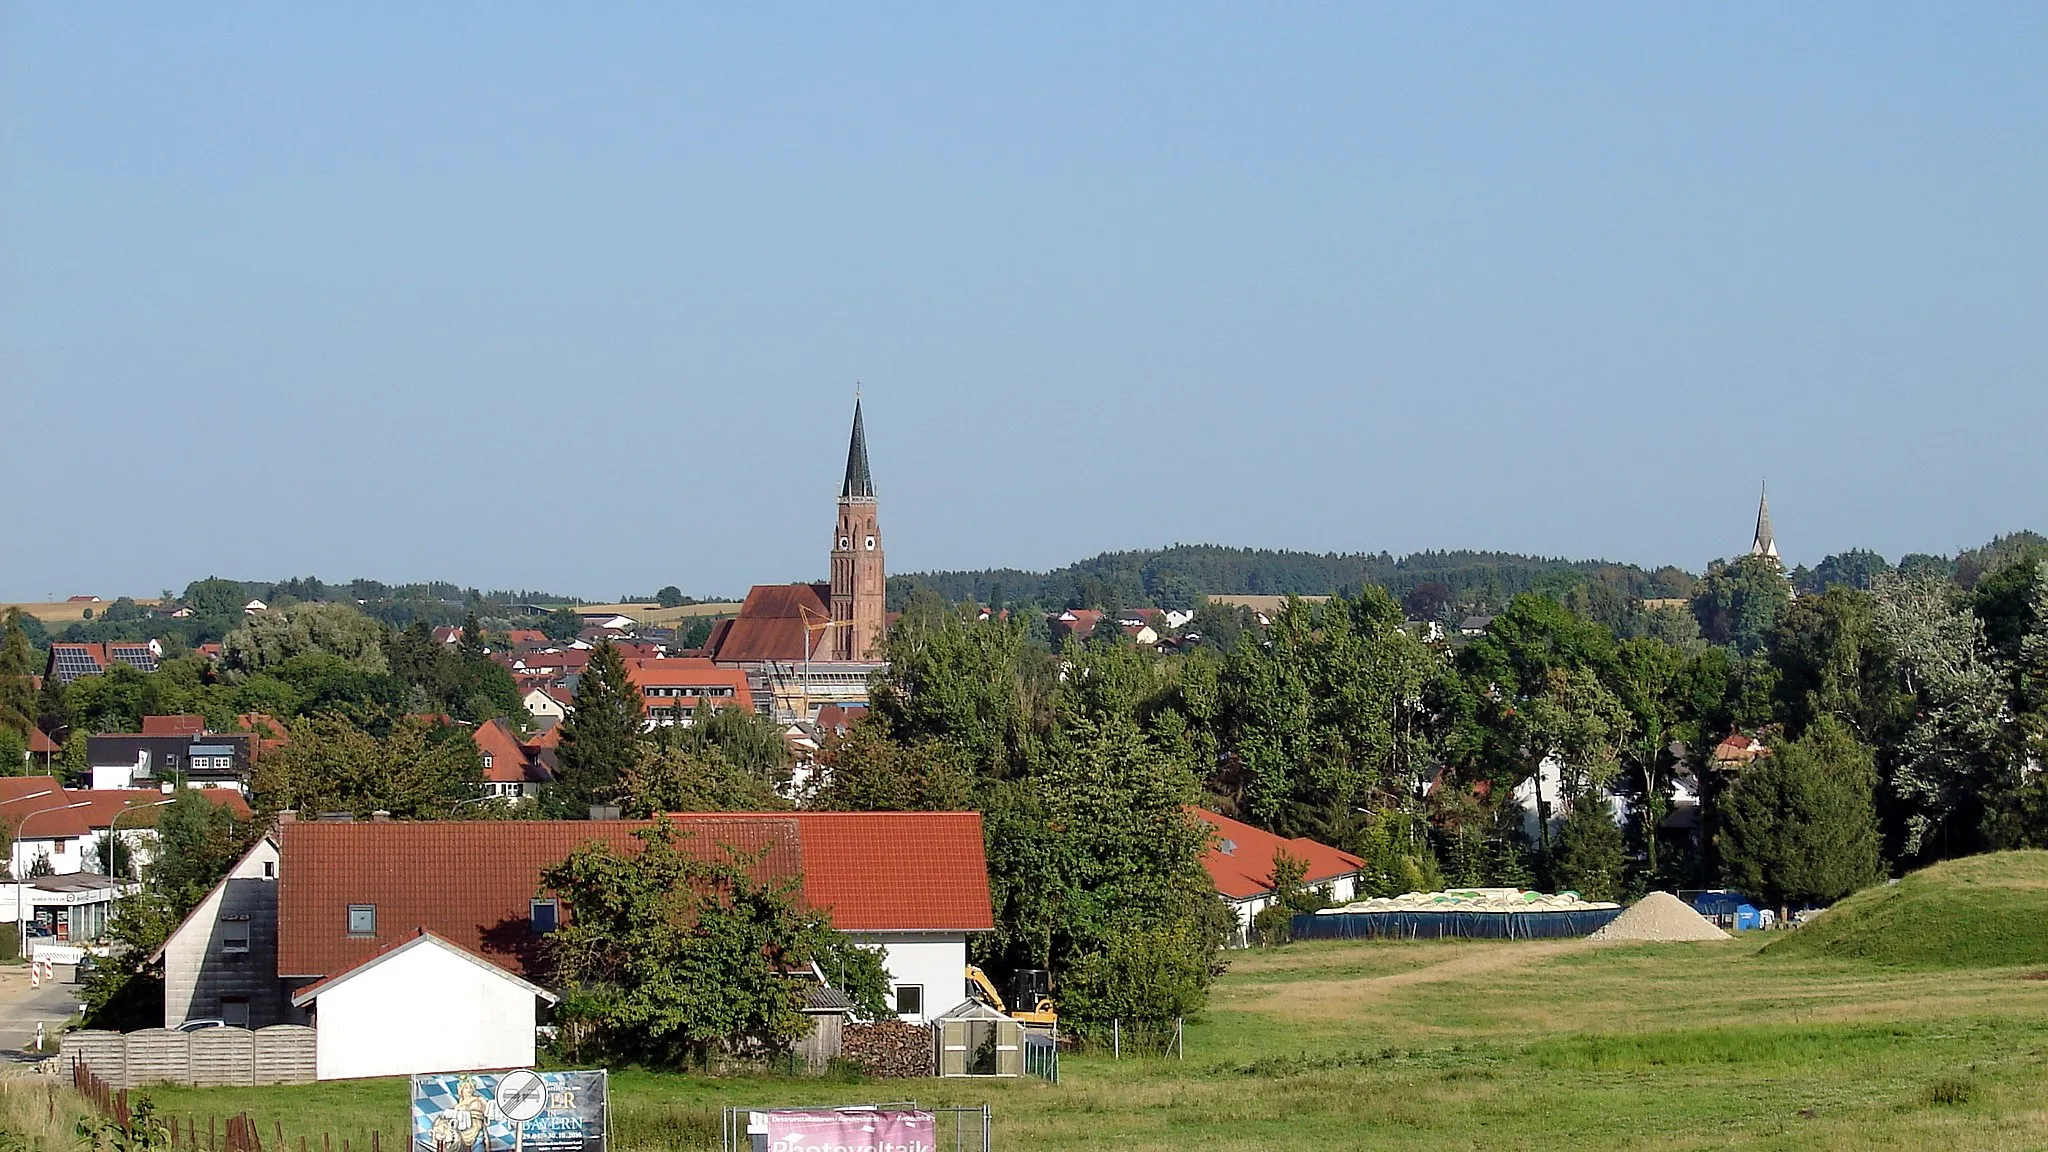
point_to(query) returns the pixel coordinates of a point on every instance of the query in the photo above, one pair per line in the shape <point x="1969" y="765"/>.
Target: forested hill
<point x="1180" y="575"/>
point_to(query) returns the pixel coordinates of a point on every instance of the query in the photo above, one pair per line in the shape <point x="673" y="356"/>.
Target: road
<point x="21" y="1006"/>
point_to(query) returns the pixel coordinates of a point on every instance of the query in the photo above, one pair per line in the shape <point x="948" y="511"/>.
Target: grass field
<point x="1536" y="1045"/>
<point x="655" y="616"/>
<point x="59" y="613"/>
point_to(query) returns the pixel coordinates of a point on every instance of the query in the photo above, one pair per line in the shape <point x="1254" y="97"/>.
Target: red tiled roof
<point x="510" y="761"/>
<point x="311" y="992"/>
<point x="472" y="881"/>
<point x="1247" y="870"/>
<point x="469" y="881"/>
<point x="772" y="625"/>
<point x="688" y="674"/>
<point x="173" y="725"/>
<point x="96" y="810"/>
<point x="40" y="744"/>
<point x="548" y="739"/>
<point x="518" y="637"/>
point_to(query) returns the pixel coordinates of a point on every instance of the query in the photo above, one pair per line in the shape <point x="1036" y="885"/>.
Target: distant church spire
<point x="1764" y="544"/>
<point x="859" y="484"/>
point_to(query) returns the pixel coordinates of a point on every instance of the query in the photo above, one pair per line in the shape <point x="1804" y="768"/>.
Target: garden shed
<point x="976" y="1040"/>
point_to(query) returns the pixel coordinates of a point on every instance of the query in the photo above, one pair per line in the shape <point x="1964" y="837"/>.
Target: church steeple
<point x="1763" y="544"/>
<point x="859" y="484"/>
<point x="859" y="583"/>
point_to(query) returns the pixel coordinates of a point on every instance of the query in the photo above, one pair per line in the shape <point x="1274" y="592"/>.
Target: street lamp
<point x="113" y="842"/>
<point x="20" y="911"/>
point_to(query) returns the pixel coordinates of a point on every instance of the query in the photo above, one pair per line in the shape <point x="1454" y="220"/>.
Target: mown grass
<point x="1517" y="1045"/>
<point x="1980" y="911"/>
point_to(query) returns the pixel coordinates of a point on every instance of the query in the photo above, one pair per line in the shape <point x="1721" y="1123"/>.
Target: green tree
<point x="677" y="951"/>
<point x="13" y="753"/>
<point x="671" y="597"/>
<point x="1739" y="603"/>
<point x="267" y="640"/>
<point x="561" y="625"/>
<point x="865" y="771"/>
<point x="1588" y="856"/>
<point x="214" y="596"/>
<point x="419" y="772"/>
<point x="17" y="671"/>
<point x="1799" y="826"/>
<point x="601" y="738"/>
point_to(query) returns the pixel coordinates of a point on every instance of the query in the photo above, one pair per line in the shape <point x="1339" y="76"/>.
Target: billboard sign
<point x="842" y="1130"/>
<point x="516" y="1111"/>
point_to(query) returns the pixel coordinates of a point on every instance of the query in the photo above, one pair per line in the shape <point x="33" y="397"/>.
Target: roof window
<point x="362" y="919"/>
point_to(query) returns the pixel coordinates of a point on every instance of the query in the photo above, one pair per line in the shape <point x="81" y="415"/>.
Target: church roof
<point x="859" y="484"/>
<point x="1764" y="543"/>
<point x="771" y="625"/>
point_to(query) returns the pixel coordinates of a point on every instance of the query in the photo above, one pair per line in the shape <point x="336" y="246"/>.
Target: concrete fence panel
<point x="221" y="1056"/>
<point x="157" y="1056"/>
<point x="284" y="1054"/>
<point x="106" y="1052"/>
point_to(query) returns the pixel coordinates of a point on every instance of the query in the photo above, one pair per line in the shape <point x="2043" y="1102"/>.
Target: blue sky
<point x="534" y="296"/>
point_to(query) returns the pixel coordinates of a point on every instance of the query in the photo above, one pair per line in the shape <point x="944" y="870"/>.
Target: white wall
<point x="935" y="960"/>
<point x="423" y="1010"/>
<point x="76" y="852"/>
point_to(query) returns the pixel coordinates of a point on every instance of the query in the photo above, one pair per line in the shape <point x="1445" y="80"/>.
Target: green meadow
<point x="1913" y="1016"/>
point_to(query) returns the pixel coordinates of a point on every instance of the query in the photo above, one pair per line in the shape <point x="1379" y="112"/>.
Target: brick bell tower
<point x="858" y="583"/>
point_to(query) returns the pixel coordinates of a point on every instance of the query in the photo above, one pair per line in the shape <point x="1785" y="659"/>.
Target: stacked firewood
<point x="888" y="1048"/>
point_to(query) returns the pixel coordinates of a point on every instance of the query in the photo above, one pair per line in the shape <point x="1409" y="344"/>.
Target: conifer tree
<point x="1800" y="827"/>
<point x="600" y="739"/>
<point x="1587" y="856"/>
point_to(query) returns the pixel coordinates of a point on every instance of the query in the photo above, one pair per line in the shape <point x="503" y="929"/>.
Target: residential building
<point x="513" y="769"/>
<point x="803" y="646"/>
<point x="63" y="828"/>
<point x="197" y="760"/>
<point x="68" y="661"/>
<point x="1076" y="622"/>
<point x="221" y="962"/>
<point x="672" y="689"/>
<point x="1241" y="860"/>
<point x="548" y="704"/>
<point x="913" y="884"/>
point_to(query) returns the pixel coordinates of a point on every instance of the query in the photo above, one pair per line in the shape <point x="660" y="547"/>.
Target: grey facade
<point x="221" y="963"/>
<point x="214" y="759"/>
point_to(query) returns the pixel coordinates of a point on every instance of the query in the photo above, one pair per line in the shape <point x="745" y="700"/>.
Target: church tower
<point x="1764" y="543"/>
<point x="858" y="583"/>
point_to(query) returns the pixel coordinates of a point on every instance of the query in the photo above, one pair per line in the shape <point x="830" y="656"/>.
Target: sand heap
<point x="1659" y="916"/>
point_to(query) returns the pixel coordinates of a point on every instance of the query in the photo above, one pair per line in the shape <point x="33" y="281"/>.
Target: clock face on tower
<point x="871" y="543"/>
<point x="845" y="544"/>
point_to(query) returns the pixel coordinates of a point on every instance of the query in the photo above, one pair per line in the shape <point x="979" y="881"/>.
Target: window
<point x="362" y="919"/>
<point x="544" y="915"/>
<point x="910" y="999"/>
<point x="234" y="1011"/>
<point x="234" y="935"/>
<point x="270" y="869"/>
<point x="487" y="761"/>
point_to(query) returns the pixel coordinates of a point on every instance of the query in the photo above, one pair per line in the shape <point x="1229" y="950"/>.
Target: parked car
<point x="202" y="1023"/>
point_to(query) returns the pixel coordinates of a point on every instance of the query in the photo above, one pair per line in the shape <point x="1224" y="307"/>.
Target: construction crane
<point x="1030" y="985"/>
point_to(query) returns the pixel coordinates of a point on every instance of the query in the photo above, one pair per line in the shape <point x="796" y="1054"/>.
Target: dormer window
<point x="487" y="761"/>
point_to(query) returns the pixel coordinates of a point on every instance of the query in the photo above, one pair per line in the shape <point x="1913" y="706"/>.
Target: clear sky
<point x="575" y="297"/>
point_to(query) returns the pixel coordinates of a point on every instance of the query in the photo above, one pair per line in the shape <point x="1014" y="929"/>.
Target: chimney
<point x="380" y="816"/>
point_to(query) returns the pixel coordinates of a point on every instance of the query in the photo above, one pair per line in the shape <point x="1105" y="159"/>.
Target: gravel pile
<point x="1659" y="916"/>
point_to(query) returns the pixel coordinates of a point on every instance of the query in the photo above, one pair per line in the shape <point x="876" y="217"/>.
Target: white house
<point x="912" y="884"/>
<point x="1241" y="860"/>
<point x="424" y="1004"/>
<point x="548" y="706"/>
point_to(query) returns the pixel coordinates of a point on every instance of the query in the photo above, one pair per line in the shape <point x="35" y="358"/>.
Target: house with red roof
<point x="912" y="884"/>
<point x="671" y="689"/>
<point x="1240" y="861"/>
<point x="69" y="661"/>
<point x="514" y="770"/>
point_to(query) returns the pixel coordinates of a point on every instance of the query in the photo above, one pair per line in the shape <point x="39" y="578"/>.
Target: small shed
<point x="976" y="1040"/>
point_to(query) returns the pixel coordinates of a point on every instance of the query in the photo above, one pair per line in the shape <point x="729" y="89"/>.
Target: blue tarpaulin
<point x="1531" y="925"/>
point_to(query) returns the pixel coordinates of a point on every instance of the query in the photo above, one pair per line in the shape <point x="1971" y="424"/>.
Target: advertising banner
<point x="517" y="1111"/>
<point x="848" y="1130"/>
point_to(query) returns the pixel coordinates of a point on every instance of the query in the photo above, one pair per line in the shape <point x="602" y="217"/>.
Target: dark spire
<point x="859" y="485"/>
<point x="1764" y="543"/>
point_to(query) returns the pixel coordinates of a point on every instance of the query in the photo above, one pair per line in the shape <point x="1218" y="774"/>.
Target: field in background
<point x="62" y="612"/>
<point x="655" y="616"/>
<point x="1536" y="1045"/>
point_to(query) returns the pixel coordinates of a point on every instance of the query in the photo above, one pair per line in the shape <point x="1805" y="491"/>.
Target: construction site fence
<point x="1547" y="925"/>
<point x="238" y="1133"/>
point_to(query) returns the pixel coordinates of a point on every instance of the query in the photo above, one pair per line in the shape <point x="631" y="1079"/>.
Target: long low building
<point x="348" y="898"/>
<point x="1241" y="861"/>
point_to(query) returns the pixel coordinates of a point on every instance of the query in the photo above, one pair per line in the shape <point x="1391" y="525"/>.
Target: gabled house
<point x="912" y="884"/>
<point x="193" y="760"/>
<point x="69" y="662"/>
<point x="513" y="769"/>
<point x="671" y="689"/>
<point x="548" y="704"/>
<point x="1241" y="859"/>
<point x="1076" y="622"/>
<point x="221" y="962"/>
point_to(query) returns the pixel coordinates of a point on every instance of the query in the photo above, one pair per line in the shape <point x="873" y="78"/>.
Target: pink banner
<point x="797" y="1130"/>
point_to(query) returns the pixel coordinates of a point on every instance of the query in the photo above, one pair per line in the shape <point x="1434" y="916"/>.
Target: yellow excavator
<point x="1030" y="986"/>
